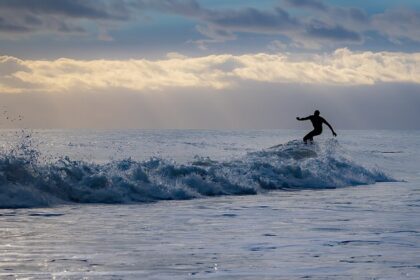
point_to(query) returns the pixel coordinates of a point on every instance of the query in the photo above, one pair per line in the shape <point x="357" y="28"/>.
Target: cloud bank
<point x="306" y="24"/>
<point x="342" y="67"/>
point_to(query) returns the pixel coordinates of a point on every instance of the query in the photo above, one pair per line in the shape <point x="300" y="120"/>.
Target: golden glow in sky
<point x="342" y="67"/>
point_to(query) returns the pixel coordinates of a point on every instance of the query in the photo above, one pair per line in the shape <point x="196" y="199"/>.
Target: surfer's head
<point x="316" y="113"/>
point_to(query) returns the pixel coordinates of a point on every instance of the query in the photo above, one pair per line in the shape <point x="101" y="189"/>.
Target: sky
<point x="209" y="64"/>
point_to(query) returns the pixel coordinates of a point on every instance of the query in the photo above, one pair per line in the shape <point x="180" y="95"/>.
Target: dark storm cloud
<point x="69" y="8"/>
<point x="253" y="19"/>
<point x="187" y="8"/>
<point x="61" y="16"/>
<point x="32" y="20"/>
<point x="222" y="24"/>
<point x="278" y="21"/>
<point x="312" y="4"/>
<point x="12" y="28"/>
<point x="343" y="25"/>
<point x="67" y="28"/>
<point x="335" y="33"/>
<point x="355" y="14"/>
<point x="246" y="18"/>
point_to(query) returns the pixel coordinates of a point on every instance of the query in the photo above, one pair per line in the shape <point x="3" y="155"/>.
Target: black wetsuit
<point x="317" y="122"/>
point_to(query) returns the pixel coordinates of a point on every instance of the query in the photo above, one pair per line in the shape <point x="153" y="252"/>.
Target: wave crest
<point x="26" y="182"/>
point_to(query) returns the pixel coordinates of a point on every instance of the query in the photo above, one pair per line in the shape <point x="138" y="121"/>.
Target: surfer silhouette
<point x="317" y="122"/>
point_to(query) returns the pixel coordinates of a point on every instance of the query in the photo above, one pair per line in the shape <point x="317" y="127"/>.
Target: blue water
<point x="172" y="204"/>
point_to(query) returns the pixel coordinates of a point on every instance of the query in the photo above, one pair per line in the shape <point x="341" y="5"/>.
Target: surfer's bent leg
<point x="310" y="135"/>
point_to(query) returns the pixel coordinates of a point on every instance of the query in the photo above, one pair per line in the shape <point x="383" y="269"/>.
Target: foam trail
<point x="26" y="182"/>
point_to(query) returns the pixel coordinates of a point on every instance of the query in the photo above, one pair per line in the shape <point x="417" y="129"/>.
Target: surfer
<point x="317" y="122"/>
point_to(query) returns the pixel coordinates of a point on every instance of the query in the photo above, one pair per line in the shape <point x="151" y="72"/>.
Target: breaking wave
<point x="26" y="181"/>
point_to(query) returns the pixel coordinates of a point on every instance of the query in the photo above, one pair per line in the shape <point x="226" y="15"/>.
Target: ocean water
<point x="199" y="204"/>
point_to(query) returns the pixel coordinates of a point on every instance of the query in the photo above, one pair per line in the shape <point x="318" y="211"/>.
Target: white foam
<point x="26" y="182"/>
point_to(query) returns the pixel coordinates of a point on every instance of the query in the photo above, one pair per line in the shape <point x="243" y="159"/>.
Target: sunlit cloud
<point x="342" y="67"/>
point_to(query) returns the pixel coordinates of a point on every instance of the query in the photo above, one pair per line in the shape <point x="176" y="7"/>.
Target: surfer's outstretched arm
<point x="332" y="130"/>
<point x="302" y="119"/>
